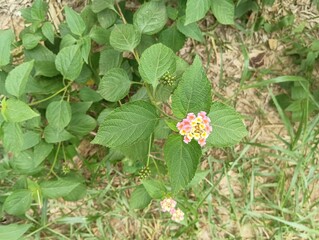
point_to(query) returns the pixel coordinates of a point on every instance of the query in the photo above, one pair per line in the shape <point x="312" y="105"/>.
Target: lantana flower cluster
<point x="168" y="205"/>
<point x="195" y="127"/>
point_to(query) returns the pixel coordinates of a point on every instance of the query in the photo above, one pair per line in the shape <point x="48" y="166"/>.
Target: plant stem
<point x="55" y="159"/>
<point x="120" y="12"/>
<point x="53" y="95"/>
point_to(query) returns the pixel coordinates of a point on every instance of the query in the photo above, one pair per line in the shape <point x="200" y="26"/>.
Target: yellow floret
<point x="196" y="136"/>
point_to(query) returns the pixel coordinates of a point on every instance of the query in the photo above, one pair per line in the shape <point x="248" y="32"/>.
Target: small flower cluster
<point x="168" y="205"/>
<point x="168" y="79"/>
<point x="197" y="127"/>
<point x="144" y="172"/>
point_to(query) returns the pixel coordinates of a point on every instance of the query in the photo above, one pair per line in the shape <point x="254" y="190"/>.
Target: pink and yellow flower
<point x="177" y="215"/>
<point x="168" y="204"/>
<point x="195" y="127"/>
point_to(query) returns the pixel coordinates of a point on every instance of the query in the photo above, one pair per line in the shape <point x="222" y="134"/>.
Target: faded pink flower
<point x="168" y="204"/>
<point x="177" y="215"/>
<point x="197" y="127"/>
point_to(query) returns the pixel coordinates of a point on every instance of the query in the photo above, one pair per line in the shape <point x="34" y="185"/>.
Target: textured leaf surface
<point x="44" y="61"/>
<point x="228" y="126"/>
<point x="155" y="62"/>
<point x="17" y="79"/>
<point x="14" y="110"/>
<point x="58" y="188"/>
<point x="155" y="188"/>
<point x="53" y="135"/>
<point x="139" y="198"/>
<point x="6" y="38"/>
<point x="224" y="11"/>
<point x="18" y="202"/>
<point x="190" y="30"/>
<point x="128" y="124"/>
<point x="193" y="93"/>
<point x="99" y="5"/>
<point x="13" y="231"/>
<point x="196" y="10"/>
<point x="172" y="38"/>
<point x="58" y="114"/>
<point x="69" y="62"/>
<point x="182" y="160"/>
<point x="151" y="17"/>
<point x="74" y="21"/>
<point x="81" y="124"/>
<point x="109" y="58"/>
<point x="106" y="18"/>
<point x="13" y="137"/>
<point x="30" y="40"/>
<point x="125" y="37"/>
<point x="48" y="31"/>
<point x="114" y="85"/>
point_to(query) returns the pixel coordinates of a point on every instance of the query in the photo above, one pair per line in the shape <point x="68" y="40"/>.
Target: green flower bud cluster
<point x="66" y="169"/>
<point x="168" y="79"/>
<point x="144" y="172"/>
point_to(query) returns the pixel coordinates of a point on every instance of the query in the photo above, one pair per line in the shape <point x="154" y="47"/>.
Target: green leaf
<point x="100" y="35"/>
<point x="155" y="62"/>
<point x="193" y="93"/>
<point x="196" y="10"/>
<point x="41" y="151"/>
<point x="69" y="62"/>
<point x="30" y="40"/>
<point x="151" y="17"/>
<point x="224" y="11"/>
<point x="228" y="127"/>
<point x="37" y="12"/>
<point x="115" y="85"/>
<point x="44" y="85"/>
<point x="76" y="194"/>
<point x="172" y="38"/>
<point x="44" y="61"/>
<point x="58" y="188"/>
<point x="154" y="188"/>
<point x="162" y="130"/>
<point x="17" y="79"/>
<point x="58" y="114"/>
<point x="146" y="42"/>
<point x="13" y="140"/>
<point x="128" y="124"/>
<point x="106" y="18"/>
<point x="199" y="176"/>
<point x="13" y="231"/>
<point x="81" y="124"/>
<point x="109" y="59"/>
<point x="138" y="151"/>
<point x="125" y="37"/>
<point x="100" y="5"/>
<point x="31" y="138"/>
<point x="190" y="30"/>
<point x="48" y="31"/>
<point x="88" y="16"/>
<point x="18" y="202"/>
<point x="140" y="198"/>
<point x="85" y="48"/>
<point x="67" y="41"/>
<point x="23" y="163"/>
<point x="53" y="135"/>
<point x="6" y="39"/>
<point x="14" y="110"/>
<point x="74" y="21"/>
<point x="88" y="94"/>
<point x="182" y="160"/>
